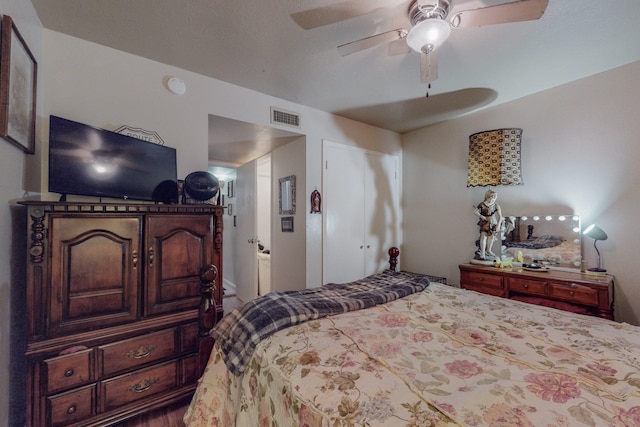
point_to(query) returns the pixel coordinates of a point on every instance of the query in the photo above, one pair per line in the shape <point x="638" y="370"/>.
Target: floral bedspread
<point x="441" y="357"/>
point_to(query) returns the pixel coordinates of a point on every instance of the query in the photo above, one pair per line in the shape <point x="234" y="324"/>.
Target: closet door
<point x="360" y="211"/>
<point x="381" y="210"/>
<point x="343" y="213"/>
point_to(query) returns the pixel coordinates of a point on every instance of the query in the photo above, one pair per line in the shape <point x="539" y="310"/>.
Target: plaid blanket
<point x="241" y="330"/>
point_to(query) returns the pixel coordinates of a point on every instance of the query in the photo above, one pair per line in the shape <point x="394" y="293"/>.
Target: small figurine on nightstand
<point x="490" y="215"/>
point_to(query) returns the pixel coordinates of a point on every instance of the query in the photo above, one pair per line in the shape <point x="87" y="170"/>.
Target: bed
<point x="437" y="356"/>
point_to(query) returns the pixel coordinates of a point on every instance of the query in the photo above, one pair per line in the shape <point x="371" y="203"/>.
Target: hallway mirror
<point x="287" y="196"/>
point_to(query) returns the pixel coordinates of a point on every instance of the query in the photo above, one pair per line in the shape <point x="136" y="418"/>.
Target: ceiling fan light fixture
<point x="427" y="35"/>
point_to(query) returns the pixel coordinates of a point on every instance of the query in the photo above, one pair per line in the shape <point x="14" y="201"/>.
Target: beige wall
<point x="15" y="176"/>
<point x="580" y="154"/>
<point x="289" y="249"/>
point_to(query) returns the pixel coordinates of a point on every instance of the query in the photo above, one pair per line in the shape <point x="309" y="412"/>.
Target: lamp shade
<point x="427" y="35"/>
<point x="494" y="158"/>
<point x="595" y="232"/>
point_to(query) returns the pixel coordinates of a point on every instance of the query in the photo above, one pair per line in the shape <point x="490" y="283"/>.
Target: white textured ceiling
<point x="256" y="44"/>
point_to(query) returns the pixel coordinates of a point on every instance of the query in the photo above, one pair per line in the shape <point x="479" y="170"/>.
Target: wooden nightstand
<point x="575" y="292"/>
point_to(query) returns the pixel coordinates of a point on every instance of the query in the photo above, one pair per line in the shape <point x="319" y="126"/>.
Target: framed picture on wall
<point x="230" y="189"/>
<point x="18" y="73"/>
<point x="230" y="209"/>
<point x="287" y="224"/>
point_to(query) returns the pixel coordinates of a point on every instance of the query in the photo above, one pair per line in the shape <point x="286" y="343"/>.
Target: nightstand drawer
<point x="137" y="385"/>
<point x="71" y="370"/>
<point x="68" y="408"/>
<point x="138" y="351"/>
<point x="574" y="293"/>
<point x="531" y="287"/>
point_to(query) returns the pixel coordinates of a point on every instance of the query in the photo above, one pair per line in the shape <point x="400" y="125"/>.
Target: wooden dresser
<point x="113" y="295"/>
<point x="577" y="292"/>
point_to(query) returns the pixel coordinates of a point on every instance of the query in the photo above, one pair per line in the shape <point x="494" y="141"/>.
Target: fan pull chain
<point x="428" y="68"/>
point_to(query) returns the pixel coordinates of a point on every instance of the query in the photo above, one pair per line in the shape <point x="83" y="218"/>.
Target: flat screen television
<point x="88" y="161"/>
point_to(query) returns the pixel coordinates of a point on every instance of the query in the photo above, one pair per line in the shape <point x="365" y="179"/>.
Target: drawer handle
<point x="151" y="257"/>
<point x="71" y="409"/>
<point x="143" y="385"/>
<point x="69" y="372"/>
<point x="135" y="259"/>
<point x="526" y="286"/>
<point x="141" y="352"/>
<point x="481" y="278"/>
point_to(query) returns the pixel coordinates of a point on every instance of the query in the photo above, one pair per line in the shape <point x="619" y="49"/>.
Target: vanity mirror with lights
<point x="553" y="242"/>
<point x="549" y="240"/>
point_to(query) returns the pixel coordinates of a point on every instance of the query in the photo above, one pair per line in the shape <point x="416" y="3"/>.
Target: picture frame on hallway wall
<point x="287" y="224"/>
<point x="230" y="189"/>
<point x="18" y="82"/>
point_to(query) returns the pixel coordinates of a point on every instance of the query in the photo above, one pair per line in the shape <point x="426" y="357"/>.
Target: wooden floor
<point x="171" y="416"/>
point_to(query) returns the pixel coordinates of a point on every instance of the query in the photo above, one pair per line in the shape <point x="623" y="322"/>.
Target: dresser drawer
<point x="483" y="282"/>
<point x="135" y="352"/>
<point x="483" y="279"/>
<point x="138" y="385"/>
<point x="531" y="287"/>
<point x="574" y="293"/>
<point x="71" y="370"/>
<point x="68" y="408"/>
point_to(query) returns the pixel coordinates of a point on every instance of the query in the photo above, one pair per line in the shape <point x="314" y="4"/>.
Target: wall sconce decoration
<point x="494" y="158"/>
<point x="596" y="233"/>
<point x="316" y="202"/>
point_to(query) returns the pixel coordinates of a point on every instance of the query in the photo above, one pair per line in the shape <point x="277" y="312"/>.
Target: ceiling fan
<point x="430" y="25"/>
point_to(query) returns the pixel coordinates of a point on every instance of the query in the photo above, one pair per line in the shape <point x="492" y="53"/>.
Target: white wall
<point x="580" y="154"/>
<point x="15" y="176"/>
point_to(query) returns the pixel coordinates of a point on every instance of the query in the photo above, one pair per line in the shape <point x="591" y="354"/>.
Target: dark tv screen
<point x="88" y="161"/>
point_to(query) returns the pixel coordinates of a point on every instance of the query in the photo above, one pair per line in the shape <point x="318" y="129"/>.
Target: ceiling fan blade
<point x="369" y="42"/>
<point x="399" y="47"/>
<point x="523" y="10"/>
<point x="428" y="67"/>
<point x="331" y="14"/>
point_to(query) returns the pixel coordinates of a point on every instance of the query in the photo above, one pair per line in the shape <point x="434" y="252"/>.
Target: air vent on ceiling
<point x="285" y="117"/>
